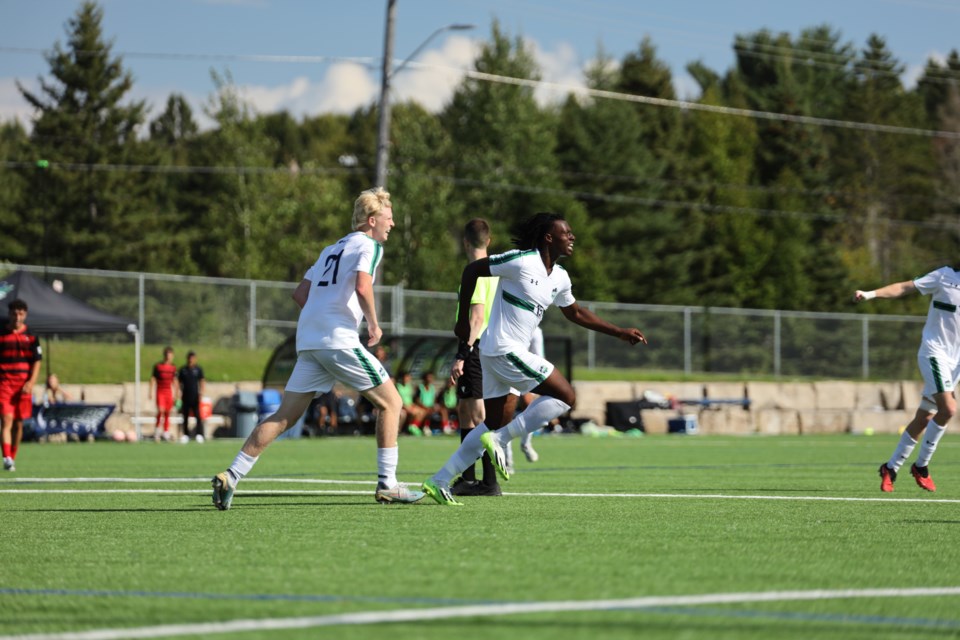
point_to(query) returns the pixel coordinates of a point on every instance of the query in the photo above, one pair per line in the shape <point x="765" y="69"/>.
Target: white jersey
<point x="536" y="343"/>
<point x="331" y="318"/>
<point x="523" y="294"/>
<point x="941" y="333"/>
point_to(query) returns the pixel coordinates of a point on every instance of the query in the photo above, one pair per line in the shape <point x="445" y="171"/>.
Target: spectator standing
<point x="192" y="384"/>
<point x="163" y="383"/>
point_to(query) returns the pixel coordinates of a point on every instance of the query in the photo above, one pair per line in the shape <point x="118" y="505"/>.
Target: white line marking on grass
<point x="688" y="496"/>
<point x="481" y="610"/>
<point x="203" y="479"/>
<point x="268" y="492"/>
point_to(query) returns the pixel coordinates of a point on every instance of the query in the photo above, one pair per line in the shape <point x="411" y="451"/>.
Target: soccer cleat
<point x="530" y="452"/>
<point x="497" y="455"/>
<point x="887" y="477"/>
<point x="400" y="494"/>
<point x="8" y="464"/>
<point x="481" y="489"/>
<point x="222" y="491"/>
<point x="922" y="476"/>
<point x="199" y="439"/>
<point x="441" y="494"/>
<point x="462" y="485"/>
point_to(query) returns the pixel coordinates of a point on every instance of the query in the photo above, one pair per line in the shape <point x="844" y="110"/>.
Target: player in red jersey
<point x="163" y="381"/>
<point x="20" y="356"/>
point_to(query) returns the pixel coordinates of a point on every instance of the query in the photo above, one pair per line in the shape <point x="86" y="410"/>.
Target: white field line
<point x="481" y="610"/>
<point x="204" y="479"/>
<point x="322" y="492"/>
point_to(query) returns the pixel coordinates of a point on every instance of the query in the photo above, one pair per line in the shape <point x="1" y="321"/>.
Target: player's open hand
<point x="375" y="333"/>
<point x="633" y="336"/>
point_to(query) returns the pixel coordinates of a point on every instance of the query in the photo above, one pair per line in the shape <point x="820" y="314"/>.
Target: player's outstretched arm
<point x="588" y="319"/>
<point x="895" y="290"/>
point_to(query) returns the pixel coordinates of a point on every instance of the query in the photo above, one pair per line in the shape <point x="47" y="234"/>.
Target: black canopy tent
<point x="52" y="312"/>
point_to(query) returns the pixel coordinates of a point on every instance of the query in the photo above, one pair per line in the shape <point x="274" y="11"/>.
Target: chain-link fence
<point x="257" y="313"/>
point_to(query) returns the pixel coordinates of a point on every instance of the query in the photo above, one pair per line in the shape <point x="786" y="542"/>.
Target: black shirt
<point x="189" y="378"/>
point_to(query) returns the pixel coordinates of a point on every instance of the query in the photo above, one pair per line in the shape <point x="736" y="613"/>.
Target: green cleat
<point x="222" y="491"/>
<point x="497" y="455"/>
<point x="441" y="494"/>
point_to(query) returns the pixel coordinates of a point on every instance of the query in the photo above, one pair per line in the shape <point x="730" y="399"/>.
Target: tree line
<point x="756" y="198"/>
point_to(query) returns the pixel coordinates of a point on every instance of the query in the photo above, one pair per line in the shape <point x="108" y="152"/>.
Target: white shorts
<point x="513" y="373"/>
<point x="939" y="375"/>
<point x="318" y="369"/>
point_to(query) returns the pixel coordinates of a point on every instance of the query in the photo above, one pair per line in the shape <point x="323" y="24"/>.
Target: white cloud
<point x="12" y="104"/>
<point x="432" y="78"/>
<point x="912" y="74"/>
<point x="561" y="66"/>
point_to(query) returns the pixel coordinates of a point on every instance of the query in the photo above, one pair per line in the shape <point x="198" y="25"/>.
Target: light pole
<point x="383" y="126"/>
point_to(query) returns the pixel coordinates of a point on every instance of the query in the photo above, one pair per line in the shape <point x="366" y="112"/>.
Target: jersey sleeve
<point x="368" y="256"/>
<point x="507" y="265"/>
<point x="930" y="283"/>
<point x="37" y="351"/>
<point x="565" y="294"/>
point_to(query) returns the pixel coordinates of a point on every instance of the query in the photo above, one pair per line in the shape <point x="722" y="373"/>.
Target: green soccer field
<point x="656" y="537"/>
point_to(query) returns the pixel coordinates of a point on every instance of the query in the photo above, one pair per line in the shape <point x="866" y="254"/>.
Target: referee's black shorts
<point x="470" y="384"/>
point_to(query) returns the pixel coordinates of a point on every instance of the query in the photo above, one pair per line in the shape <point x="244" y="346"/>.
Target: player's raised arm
<point x="895" y="290"/>
<point x="589" y="320"/>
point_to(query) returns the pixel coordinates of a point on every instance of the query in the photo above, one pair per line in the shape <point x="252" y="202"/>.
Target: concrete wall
<point x="776" y="408"/>
<point x="787" y="408"/>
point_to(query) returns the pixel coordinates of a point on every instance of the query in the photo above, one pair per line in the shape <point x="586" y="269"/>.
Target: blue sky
<point x="564" y="35"/>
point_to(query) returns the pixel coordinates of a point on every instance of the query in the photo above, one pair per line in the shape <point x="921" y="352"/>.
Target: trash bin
<point x="268" y="402"/>
<point x="244" y="413"/>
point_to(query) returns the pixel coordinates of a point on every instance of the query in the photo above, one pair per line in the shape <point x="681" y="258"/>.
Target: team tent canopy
<point x="51" y="312"/>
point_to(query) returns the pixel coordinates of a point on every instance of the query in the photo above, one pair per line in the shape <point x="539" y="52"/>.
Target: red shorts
<point x="164" y="402"/>
<point x="13" y="401"/>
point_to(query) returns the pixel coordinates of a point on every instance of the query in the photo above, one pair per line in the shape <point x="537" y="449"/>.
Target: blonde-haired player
<point x="334" y="295"/>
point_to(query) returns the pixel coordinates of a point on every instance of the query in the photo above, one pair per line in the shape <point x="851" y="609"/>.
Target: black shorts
<point x="470" y="384"/>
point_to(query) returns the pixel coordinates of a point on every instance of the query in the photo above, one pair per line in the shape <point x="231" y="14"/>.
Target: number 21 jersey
<point x="331" y="318"/>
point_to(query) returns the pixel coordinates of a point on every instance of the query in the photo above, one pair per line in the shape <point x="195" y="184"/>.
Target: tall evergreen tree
<point x="503" y="160"/>
<point x="16" y="233"/>
<point x="92" y="195"/>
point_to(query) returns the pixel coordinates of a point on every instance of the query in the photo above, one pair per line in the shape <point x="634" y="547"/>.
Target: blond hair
<point x="371" y="202"/>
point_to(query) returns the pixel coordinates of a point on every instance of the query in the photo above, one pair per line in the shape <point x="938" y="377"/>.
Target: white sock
<point x="468" y="452"/>
<point x="931" y="436"/>
<point x="241" y="466"/>
<point x="902" y="452"/>
<point x="387" y="466"/>
<point x="540" y="412"/>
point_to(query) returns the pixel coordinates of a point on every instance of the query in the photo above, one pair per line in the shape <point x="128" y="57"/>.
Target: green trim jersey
<point x="524" y="293"/>
<point x="331" y="318"/>
<point x="941" y="333"/>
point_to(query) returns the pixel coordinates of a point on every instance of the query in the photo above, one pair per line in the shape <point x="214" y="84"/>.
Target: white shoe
<point x="530" y="452"/>
<point x="184" y="439"/>
<point x="199" y="439"/>
<point x="8" y="464"/>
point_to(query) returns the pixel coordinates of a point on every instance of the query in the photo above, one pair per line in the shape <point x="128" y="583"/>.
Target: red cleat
<point x="887" y="477"/>
<point x="922" y="476"/>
